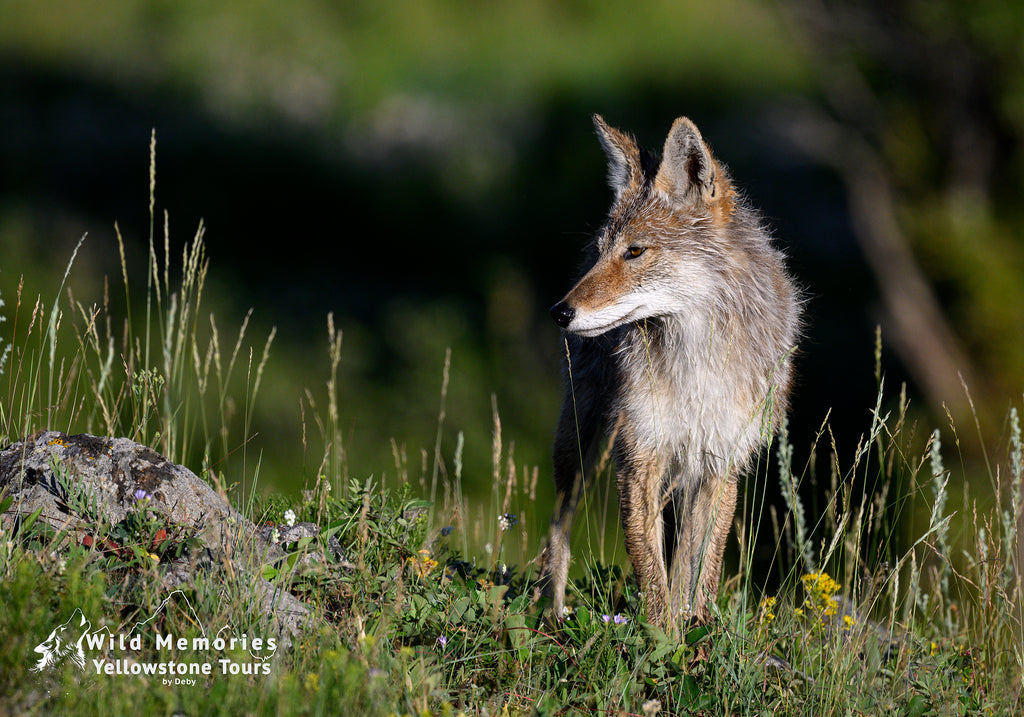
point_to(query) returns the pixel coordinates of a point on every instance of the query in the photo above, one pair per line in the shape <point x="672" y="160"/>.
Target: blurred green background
<point x="427" y="171"/>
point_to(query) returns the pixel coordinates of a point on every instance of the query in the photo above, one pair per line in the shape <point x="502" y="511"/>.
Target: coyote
<point x="679" y="340"/>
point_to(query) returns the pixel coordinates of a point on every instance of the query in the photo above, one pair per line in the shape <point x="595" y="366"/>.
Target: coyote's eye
<point x="634" y="251"/>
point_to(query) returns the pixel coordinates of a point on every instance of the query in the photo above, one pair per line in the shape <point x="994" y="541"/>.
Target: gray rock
<point x="81" y="481"/>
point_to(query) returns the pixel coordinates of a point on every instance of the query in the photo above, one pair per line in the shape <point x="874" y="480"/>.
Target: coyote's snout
<point x="680" y="337"/>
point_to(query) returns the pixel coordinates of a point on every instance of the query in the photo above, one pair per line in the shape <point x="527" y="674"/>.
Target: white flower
<point x="275" y="536"/>
<point x="289" y="517"/>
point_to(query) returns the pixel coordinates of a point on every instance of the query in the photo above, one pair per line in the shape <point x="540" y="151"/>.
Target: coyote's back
<point x="680" y="334"/>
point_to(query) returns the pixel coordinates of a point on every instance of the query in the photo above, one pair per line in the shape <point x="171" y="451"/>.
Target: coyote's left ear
<point x="688" y="173"/>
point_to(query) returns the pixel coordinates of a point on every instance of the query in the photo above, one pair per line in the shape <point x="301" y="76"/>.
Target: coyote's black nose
<point x="562" y="313"/>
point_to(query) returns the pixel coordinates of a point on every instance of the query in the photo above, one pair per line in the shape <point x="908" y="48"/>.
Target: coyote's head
<point x="665" y="240"/>
<point x="64" y="643"/>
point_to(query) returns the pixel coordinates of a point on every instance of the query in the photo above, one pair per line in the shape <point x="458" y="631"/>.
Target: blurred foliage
<point x="935" y="90"/>
<point x="316" y="62"/>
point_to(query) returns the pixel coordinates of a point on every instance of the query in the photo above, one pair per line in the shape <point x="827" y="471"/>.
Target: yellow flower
<point x="821" y="588"/>
<point x="766" y="615"/>
<point x="422" y="564"/>
<point x="820" y="584"/>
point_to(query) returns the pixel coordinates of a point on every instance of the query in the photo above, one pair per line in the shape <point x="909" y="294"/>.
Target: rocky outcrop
<point x="80" y="482"/>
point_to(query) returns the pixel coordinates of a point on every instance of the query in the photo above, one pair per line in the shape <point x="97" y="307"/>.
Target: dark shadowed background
<point x="427" y="171"/>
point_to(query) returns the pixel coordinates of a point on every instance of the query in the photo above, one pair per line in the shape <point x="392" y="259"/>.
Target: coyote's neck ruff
<point x="680" y="337"/>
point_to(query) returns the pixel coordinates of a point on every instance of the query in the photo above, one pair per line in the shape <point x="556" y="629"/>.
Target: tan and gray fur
<point x="680" y="336"/>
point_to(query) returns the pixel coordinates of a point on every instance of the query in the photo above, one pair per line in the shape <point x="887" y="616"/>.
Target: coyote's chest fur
<point x="693" y="405"/>
<point x="680" y="336"/>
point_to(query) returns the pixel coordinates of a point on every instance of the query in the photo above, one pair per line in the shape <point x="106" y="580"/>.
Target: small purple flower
<point x="446" y="530"/>
<point x="442" y="641"/>
<point x="140" y="494"/>
<point x="606" y="618"/>
<point x="620" y="619"/>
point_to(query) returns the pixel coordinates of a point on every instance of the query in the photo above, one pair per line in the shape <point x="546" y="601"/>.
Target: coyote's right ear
<point x="688" y="172"/>
<point x="624" y="168"/>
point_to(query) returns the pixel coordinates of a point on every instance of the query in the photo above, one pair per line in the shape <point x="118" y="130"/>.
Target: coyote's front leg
<point x="640" y="505"/>
<point x="703" y="516"/>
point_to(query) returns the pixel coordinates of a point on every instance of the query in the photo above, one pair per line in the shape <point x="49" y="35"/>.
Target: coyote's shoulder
<point x="681" y="333"/>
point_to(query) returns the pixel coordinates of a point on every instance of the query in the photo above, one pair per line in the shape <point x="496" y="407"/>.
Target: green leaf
<point x="697" y="634"/>
<point x="31" y="519"/>
<point x="519" y="636"/>
<point x="917" y="706"/>
<point x="677" y="657"/>
<point x="460" y="609"/>
<point x="691" y="690"/>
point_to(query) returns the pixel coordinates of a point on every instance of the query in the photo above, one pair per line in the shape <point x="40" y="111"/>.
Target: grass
<point x="888" y="601"/>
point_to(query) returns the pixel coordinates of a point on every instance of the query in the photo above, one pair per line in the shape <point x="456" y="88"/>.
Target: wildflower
<point x="566" y="611"/>
<point x="820" y="584"/>
<point x="821" y="590"/>
<point x="289" y="517"/>
<point x="766" y="616"/>
<point x="275" y="536"/>
<point x="847" y="622"/>
<point x="445" y="531"/>
<point x="651" y="708"/>
<point x="140" y="494"/>
<point x="620" y="619"/>
<point x="606" y="618"/>
<point x="442" y="641"/>
<point x="154" y="557"/>
<point x="422" y="563"/>
<point x="507" y="520"/>
<point x="502" y="575"/>
<point x="488" y="548"/>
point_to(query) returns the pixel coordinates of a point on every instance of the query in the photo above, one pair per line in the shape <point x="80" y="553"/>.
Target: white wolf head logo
<point x="64" y="643"/>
